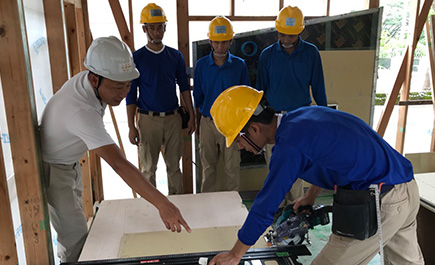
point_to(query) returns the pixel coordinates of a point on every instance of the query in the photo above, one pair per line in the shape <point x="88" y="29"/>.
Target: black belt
<point x="156" y="113"/>
<point x="207" y="117"/>
<point x="384" y="188"/>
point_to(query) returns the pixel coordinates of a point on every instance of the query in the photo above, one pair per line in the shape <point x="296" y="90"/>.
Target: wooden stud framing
<point x="8" y="250"/>
<point x="56" y="43"/>
<point x="22" y="125"/>
<point x="121" y="23"/>
<point x="87" y="199"/>
<point x="404" y="96"/>
<point x="88" y="35"/>
<point x="386" y="114"/>
<point x="97" y="180"/>
<point x="72" y="37"/>
<point x="430" y="37"/>
<point x="281" y="4"/>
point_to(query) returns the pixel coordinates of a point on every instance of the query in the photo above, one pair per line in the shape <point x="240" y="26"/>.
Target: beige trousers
<point x="297" y="189"/>
<point x="165" y="133"/>
<point x="399" y="208"/>
<point x="64" y="197"/>
<point x="211" y="146"/>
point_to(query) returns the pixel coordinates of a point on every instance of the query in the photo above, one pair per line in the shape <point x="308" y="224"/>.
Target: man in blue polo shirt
<point x="159" y="124"/>
<point x="287" y="70"/>
<point x="326" y="148"/>
<point x="213" y="74"/>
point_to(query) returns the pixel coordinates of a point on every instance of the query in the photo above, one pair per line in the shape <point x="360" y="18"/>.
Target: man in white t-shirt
<point x="71" y="124"/>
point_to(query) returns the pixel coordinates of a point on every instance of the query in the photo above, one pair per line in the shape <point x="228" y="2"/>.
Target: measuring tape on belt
<point x="376" y="188"/>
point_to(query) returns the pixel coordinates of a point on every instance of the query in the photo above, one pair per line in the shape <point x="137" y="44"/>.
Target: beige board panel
<point x="349" y="80"/>
<point x="165" y="242"/>
<point x="422" y="162"/>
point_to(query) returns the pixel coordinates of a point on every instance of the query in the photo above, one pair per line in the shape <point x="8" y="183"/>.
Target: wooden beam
<point x="8" y="250"/>
<point x="404" y="96"/>
<point x="183" y="46"/>
<point x="430" y="37"/>
<point x="386" y="114"/>
<point x="72" y="37"/>
<point x="281" y="4"/>
<point x="232" y="18"/>
<point x="20" y="109"/>
<point x="328" y="7"/>
<point x="56" y="42"/>
<point x="121" y="23"/>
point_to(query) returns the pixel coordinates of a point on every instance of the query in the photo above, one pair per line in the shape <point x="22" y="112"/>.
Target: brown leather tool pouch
<point x="354" y="213"/>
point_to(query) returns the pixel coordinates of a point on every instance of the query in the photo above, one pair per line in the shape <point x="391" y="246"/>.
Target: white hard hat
<point x="112" y="59"/>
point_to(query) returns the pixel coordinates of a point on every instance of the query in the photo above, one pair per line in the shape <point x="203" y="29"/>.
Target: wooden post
<point x="8" y="250"/>
<point x="404" y="96"/>
<point x="56" y="43"/>
<point x="18" y="94"/>
<point x="430" y="37"/>
<point x="232" y="8"/>
<point x="183" y="46"/>
<point x="386" y="114"/>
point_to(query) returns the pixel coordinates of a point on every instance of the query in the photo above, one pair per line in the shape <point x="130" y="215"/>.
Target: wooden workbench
<point x="115" y="218"/>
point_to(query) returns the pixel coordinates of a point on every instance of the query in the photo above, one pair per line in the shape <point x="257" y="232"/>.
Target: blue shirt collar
<point x="229" y="58"/>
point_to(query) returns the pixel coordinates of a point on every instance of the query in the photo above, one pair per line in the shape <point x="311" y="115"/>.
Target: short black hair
<point x="265" y="117"/>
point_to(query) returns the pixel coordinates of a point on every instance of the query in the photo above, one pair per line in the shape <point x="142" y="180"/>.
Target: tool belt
<point x="354" y="213"/>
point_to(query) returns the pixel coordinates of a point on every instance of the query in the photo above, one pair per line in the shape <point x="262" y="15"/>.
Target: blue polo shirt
<point x="286" y="79"/>
<point x="323" y="147"/>
<point x="159" y="74"/>
<point x="210" y="79"/>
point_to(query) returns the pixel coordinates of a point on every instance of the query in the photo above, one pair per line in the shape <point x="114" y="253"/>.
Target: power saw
<point x="292" y="229"/>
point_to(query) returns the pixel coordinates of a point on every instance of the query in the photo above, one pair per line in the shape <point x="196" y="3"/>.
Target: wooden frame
<point x="386" y="114"/>
<point x="22" y="124"/>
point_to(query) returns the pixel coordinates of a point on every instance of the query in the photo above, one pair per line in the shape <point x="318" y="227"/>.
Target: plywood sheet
<point x="165" y="242"/>
<point x="118" y="217"/>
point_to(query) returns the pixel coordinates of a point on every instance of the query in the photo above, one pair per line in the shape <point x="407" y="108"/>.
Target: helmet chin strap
<point x="291" y="45"/>
<point x="156" y="41"/>
<point x="220" y="55"/>
<point x="258" y="149"/>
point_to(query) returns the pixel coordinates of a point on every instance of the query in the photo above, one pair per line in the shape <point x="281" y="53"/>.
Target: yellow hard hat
<point x="220" y="29"/>
<point x="152" y="13"/>
<point x="290" y="21"/>
<point x="233" y="108"/>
